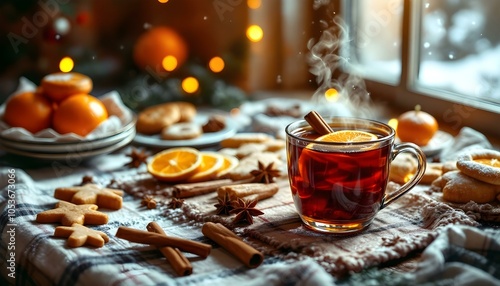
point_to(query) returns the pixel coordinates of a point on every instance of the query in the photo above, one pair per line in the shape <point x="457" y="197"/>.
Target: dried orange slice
<point x="211" y="162"/>
<point x="230" y="162"/>
<point x="347" y="136"/>
<point x="176" y="164"/>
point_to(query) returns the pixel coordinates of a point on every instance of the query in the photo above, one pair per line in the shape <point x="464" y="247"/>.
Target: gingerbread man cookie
<point x="79" y="235"/>
<point x="483" y="165"/>
<point x="91" y="194"/>
<point x="68" y="214"/>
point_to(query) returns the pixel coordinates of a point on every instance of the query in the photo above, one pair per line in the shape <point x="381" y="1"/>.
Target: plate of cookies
<point x="60" y="117"/>
<point x="177" y="124"/>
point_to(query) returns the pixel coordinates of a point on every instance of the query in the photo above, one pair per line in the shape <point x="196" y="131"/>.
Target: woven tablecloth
<point x="294" y="255"/>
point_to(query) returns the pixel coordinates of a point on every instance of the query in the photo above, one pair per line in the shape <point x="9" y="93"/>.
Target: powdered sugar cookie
<point x="483" y="165"/>
<point x="154" y="118"/>
<point x="181" y="131"/>
<point x="457" y="187"/>
<point x="239" y="139"/>
<point x="187" y="111"/>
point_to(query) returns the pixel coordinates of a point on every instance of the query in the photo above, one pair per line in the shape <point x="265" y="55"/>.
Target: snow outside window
<point x="453" y="46"/>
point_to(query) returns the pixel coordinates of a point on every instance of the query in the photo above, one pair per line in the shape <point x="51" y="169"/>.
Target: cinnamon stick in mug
<point x="156" y="239"/>
<point x="232" y="243"/>
<point x="318" y="123"/>
<point x="179" y="262"/>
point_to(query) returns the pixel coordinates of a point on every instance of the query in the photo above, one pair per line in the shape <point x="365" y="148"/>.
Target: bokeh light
<point x="169" y="63"/>
<point x="216" y="64"/>
<point x="190" y="85"/>
<point x="163" y="1"/>
<point x="255" y="33"/>
<point x="66" y="64"/>
<point x="393" y="122"/>
<point x="253" y="4"/>
<point x="331" y="94"/>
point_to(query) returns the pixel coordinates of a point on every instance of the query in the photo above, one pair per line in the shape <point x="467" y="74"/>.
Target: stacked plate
<point x="46" y="148"/>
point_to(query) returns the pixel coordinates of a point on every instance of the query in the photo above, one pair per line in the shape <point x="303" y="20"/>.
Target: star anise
<point x="245" y="210"/>
<point x="138" y="158"/>
<point x="149" y="202"/>
<point x="265" y="174"/>
<point x="224" y="205"/>
<point x="175" y="203"/>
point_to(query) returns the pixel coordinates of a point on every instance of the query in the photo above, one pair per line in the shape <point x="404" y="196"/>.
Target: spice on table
<point x="232" y="243"/>
<point x="149" y="202"/>
<point x="245" y="210"/>
<point x="265" y="174"/>
<point x="224" y="205"/>
<point x="249" y="191"/>
<point x="200" y="188"/>
<point x="175" y="203"/>
<point x="138" y="157"/>
<point x="145" y="237"/>
<point x="179" y="262"/>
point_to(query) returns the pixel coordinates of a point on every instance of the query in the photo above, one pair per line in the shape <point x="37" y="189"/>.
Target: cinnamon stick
<point x="258" y="191"/>
<point x="156" y="239"/>
<point x="179" y="262"/>
<point x="200" y="188"/>
<point x="318" y="123"/>
<point x="232" y="243"/>
<point x="195" y="189"/>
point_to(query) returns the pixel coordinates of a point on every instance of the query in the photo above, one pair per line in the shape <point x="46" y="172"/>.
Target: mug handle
<point x="421" y="160"/>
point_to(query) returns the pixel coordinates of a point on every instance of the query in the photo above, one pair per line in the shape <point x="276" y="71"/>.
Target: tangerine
<point x="154" y="45"/>
<point x="416" y="126"/>
<point x="79" y="114"/>
<point x="28" y="110"/>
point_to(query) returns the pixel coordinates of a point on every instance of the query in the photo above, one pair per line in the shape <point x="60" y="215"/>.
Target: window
<point x="442" y="54"/>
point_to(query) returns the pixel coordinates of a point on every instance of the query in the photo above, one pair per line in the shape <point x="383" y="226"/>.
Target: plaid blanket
<point x="294" y="255"/>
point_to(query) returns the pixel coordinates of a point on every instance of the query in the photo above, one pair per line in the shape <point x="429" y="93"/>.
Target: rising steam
<point x="325" y="58"/>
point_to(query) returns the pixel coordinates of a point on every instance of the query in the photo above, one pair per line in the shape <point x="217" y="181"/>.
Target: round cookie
<point x="483" y="165"/>
<point x="181" y="131"/>
<point x="153" y="119"/>
<point x="187" y="110"/>
<point x="58" y="86"/>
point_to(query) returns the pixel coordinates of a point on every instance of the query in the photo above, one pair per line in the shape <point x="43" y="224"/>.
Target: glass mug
<point x="340" y="187"/>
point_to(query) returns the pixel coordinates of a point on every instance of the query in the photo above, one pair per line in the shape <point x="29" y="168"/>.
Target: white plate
<point x="83" y="154"/>
<point x="440" y="141"/>
<point x="206" y="139"/>
<point x="67" y="147"/>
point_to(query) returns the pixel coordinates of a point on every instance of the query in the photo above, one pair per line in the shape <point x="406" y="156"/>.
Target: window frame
<point x="452" y="110"/>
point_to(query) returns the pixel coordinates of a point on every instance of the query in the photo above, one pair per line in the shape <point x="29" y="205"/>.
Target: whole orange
<point x="155" y="44"/>
<point x="29" y="110"/>
<point x="416" y="126"/>
<point x="79" y="114"/>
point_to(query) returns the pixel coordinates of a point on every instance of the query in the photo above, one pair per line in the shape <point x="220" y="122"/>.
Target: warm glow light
<point x="255" y="33"/>
<point x="163" y="1"/>
<point x="169" y="63"/>
<point x="332" y="94"/>
<point x="253" y="4"/>
<point x="216" y="64"/>
<point x="408" y="177"/>
<point x="393" y="122"/>
<point x="190" y="85"/>
<point x="66" y="64"/>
